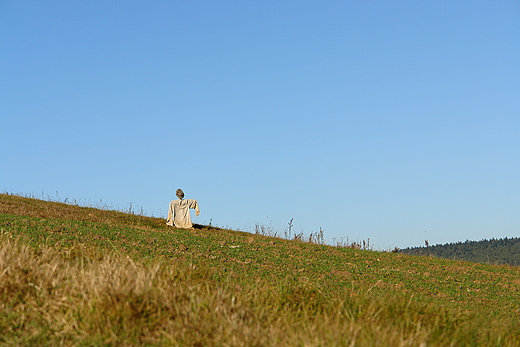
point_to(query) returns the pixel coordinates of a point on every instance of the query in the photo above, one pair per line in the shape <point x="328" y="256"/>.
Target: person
<point x="179" y="211"/>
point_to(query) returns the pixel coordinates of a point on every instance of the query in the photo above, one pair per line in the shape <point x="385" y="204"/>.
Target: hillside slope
<point x="237" y="288"/>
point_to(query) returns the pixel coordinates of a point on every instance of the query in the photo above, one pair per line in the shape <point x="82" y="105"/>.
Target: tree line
<point x="504" y="251"/>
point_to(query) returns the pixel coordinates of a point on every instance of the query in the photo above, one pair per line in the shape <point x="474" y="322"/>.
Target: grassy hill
<point x="78" y="276"/>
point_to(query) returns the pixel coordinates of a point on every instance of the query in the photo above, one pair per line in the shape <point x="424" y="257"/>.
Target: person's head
<point x="179" y="193"/>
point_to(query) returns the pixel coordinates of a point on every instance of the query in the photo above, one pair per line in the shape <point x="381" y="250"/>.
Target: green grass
<point x="77" y="276"/>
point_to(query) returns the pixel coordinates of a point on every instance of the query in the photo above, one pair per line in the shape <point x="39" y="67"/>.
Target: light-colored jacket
<point x="179" y="213"/>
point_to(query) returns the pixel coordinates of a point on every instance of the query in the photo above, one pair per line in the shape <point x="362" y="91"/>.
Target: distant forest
<point x="495" y="251"/>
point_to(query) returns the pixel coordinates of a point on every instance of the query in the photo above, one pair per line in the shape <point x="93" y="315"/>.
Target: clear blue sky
<point x="395" y="121"/>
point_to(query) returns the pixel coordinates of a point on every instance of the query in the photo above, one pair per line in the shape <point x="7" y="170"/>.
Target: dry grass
<point x="224" y="288"/>
<point x="52" y="298"/>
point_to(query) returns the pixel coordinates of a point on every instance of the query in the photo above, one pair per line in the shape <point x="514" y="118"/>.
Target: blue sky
<point x="394" y="121"/>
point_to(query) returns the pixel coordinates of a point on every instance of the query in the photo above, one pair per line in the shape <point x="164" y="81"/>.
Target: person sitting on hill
<point x="179" y="211"/>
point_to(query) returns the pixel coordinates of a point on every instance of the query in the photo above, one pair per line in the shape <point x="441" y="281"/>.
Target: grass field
<point x="78" y="276"/>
